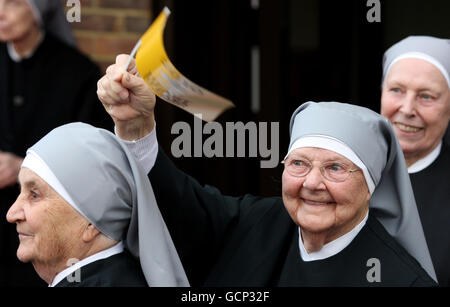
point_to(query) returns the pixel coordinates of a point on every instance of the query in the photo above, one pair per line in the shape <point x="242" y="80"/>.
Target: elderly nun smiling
<point x="416" y="100"/>
<point x="346" y="201"/>
<point x="344" y="166"/>
<point x="326" y="195"/>
<point x="84" y="198"/>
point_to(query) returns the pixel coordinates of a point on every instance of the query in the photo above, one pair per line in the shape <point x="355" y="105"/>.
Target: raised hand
<point x="127" y="99"/>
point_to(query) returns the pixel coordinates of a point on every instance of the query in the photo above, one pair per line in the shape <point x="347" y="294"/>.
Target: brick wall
<point x="110" y="27"/>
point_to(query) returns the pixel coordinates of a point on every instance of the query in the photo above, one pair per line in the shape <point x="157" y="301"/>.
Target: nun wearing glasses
<point x="416" y="100"/>
<point x="346" y="216"/>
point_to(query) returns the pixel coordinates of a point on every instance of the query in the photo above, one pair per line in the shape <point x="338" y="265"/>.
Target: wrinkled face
<point x="16" y="20"/>
<point x="48" y="227"/>
<point x="321" y="206"/>
<point x="416" y="100"/>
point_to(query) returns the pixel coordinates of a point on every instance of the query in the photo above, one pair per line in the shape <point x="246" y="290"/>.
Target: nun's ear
<point x="90" y="233"/>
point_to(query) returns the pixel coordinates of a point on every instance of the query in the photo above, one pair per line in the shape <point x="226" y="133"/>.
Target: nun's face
<point x="48" y="227"/>
<point x="320" y="206"/>
<point x="16" y="20"/>
<point x="416" y="100"/>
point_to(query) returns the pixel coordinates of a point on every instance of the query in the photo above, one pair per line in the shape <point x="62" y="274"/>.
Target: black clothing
<point x="351" y="267"/>
<point x="252" y="241"/>
<point x="120" y="270"/>
<point x="431" y="188"/>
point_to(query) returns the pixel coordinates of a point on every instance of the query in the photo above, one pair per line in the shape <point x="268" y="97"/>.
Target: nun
<point x="87" y="216"/>
<point x="346" y="216"/>
<point x="41" y="74"/>
<point x="416" y="100"/>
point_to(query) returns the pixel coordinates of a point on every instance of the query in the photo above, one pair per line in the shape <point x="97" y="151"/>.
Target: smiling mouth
<point x="407" y="128"/>
<point x="316" y="203"/>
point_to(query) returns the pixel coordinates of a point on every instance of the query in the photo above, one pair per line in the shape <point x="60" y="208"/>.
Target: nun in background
<point x="85" y="200"/>
<point x="416" y="100"/>
<point x="45" y="82"/>
<point x="347" y="215"/>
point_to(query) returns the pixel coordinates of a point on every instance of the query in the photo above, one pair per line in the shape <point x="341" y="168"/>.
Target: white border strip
<point x="330" y="143"/>
<point x="34" y="163"/>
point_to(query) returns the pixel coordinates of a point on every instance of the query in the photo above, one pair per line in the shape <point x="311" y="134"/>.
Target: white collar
<point x="16" y="57"/>
<point x="331" y="248"/>
<point x="13" y="53"/>
<point x="426" y="161"/>
<point x="116" y="249"/>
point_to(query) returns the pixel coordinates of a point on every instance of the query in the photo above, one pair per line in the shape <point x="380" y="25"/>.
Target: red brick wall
<point x="110" y="27"/>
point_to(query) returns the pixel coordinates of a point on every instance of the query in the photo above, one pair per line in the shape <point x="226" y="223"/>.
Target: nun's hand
<point x="9" y="169"/>
<point x="127" y="99"/>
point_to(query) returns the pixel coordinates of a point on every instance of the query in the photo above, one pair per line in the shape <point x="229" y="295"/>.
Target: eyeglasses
<point x="331" y="171"/>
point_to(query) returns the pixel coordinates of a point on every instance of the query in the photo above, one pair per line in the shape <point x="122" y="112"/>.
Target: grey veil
<point x="50" y="15"/>
<point x="114" y="194"/>
<point x="374" y="141"/>
<point x="432" y="49"/>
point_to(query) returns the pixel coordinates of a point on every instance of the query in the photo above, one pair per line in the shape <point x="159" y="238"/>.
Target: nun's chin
<point x="24" y="252"/>
<point x="318" y="220"/>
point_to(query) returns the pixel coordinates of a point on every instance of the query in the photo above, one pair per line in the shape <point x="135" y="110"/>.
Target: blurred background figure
<point x="416" y="100"/>
<point x="44" y="82"/>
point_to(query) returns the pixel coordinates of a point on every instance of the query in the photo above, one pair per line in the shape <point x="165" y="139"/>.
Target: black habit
<point x="119" y="270"/>
<point x="432" y="192"/>
<point x="56" y="86"/>
<point x="252" y="241"/>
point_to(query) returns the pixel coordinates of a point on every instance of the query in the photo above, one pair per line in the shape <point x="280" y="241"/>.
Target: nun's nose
<point x="408" y="106"/>
<point x="314" y="180"/>
<point x="15" y="213"/>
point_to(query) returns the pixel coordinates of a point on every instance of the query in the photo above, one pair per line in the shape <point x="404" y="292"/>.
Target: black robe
<point x="252" y="241"/>
<point x="57" y="85"/>
<point x="120" y="270"/>
<point x="432" y="192"/>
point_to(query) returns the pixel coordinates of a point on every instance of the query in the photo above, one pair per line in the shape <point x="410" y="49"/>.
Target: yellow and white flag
<point x="167" y="82"/>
